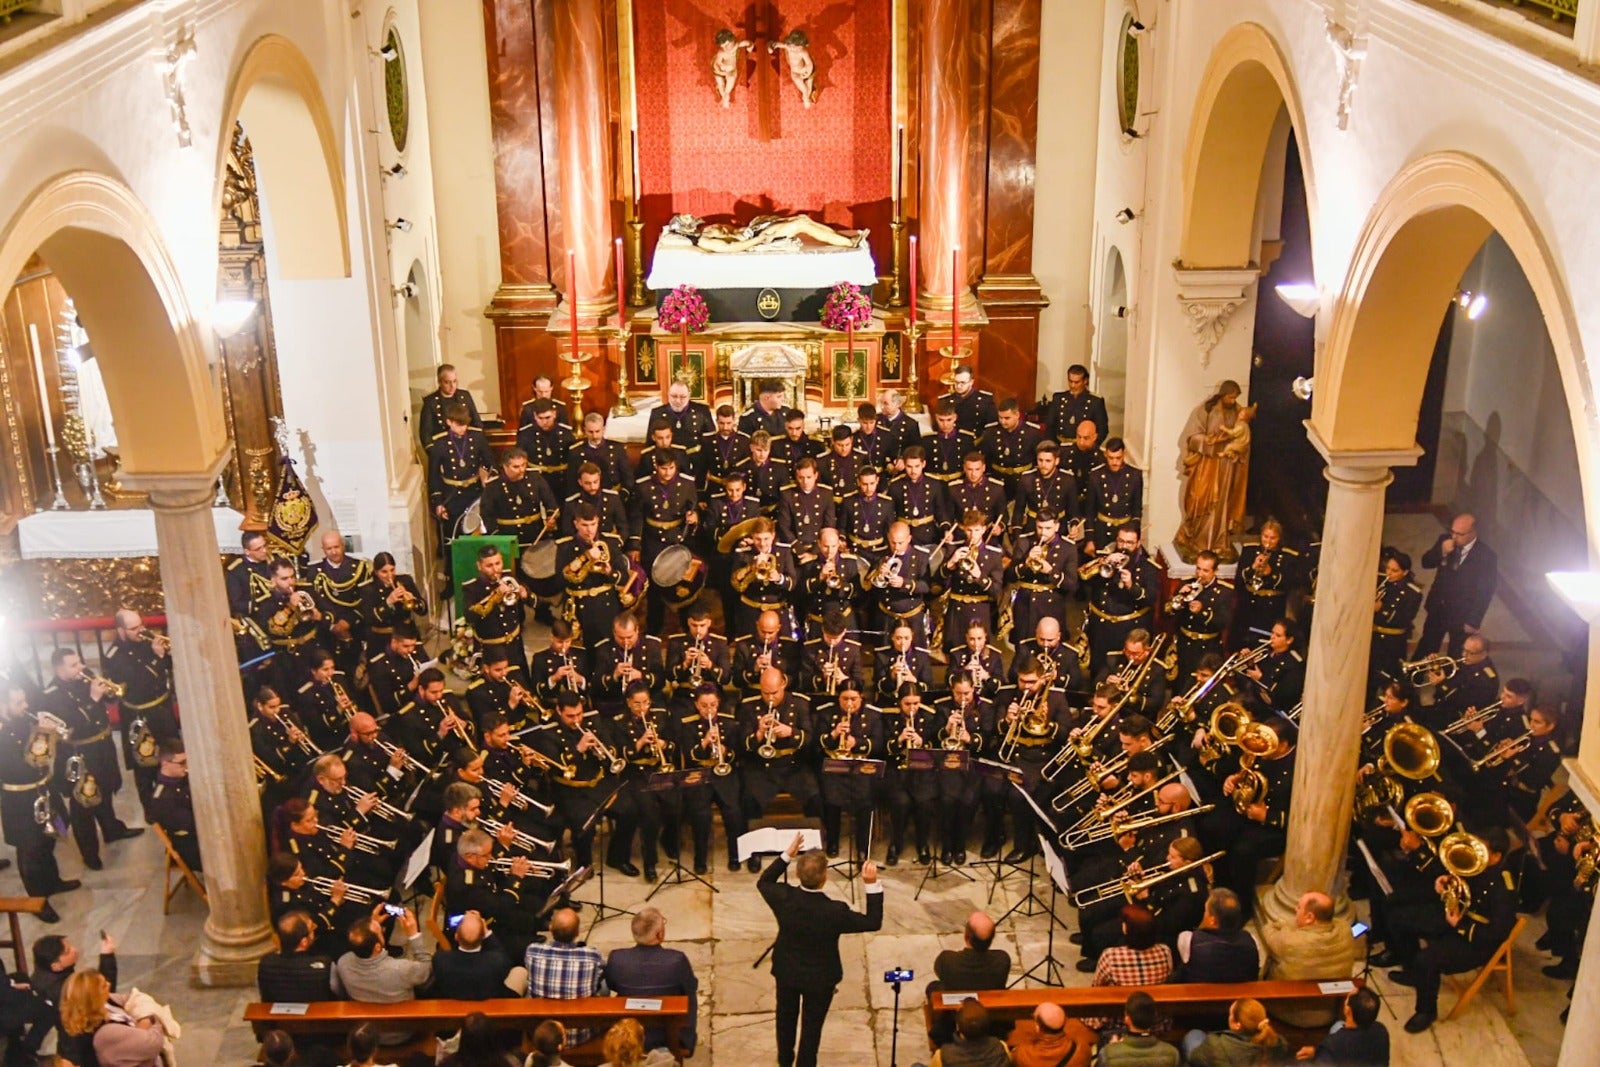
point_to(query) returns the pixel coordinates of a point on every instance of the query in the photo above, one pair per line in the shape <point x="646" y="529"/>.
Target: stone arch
<point x="103" y="244"/>
<point x="1425" y="229"/>
<point x="1245" y="86"/>
<point x="275" y="94"/>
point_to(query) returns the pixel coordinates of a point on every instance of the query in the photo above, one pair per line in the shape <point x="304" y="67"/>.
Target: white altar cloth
<point x="108" y="534"/>
<point x="679" y="262"/>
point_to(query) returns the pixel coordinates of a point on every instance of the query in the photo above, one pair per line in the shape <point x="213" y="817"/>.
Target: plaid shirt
<point x="565" y="972"/>
<point x="1121" y="965"/>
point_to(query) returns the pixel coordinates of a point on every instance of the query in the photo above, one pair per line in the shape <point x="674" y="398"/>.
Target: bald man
<point x="1047" y="641"/>
<point x="564" y="968"/>
<point x="140" y="660"/>
<point x="1312" y="946"/>
<point x="339" y="584"/>
<point x="477" y="968"/>
<point x="1051" y="1039"/>
<point x="968" y="970"/>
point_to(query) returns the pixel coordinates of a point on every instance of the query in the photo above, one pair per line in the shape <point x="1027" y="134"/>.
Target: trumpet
<point x="374" y="846"/>
<point x="581" y="683"/>
<point x="902" y="671"/>
<point x="1038" y="557"/>
<point x="538" y="759"/>
<point x="298" y="735"/>
<point x="693" y="662"/>
<point x="769" y="734"/>
<point x="116" y="689"/>
<point x="617" y="763"/>
<point x="161" y="644"/>
<point x="412" y="763"/>
<point x="1471" y="720"/>
<point x="1260" y="571"/>
<point x="1505" y="751"/>
<point x="909" y="738"/>
<point x="542" y="868"/>
<point x="526" y="842"/>
<point x="844" y="740"/>
<point x="383" y="809"/>
<point x="950" y="736"/>
<point x="510" y="590"/>
<point x="1105" y="566"/>
<point x="519" y="800"/>
<point x="884" y="572"/>
<point x="657" y="745"/>
<point x="341" y="700"/>
<point x="1131" y="885"/>
<point x="264" y="774"/>
<point x="590" y="562"/>
<point x="1186" y="596"/>
<point x="832" y="673"/>
<point x="1420" y="672"/>
<point x="713" y="737"/>
<point x="360" y="894"/>
<point x="977" y="672"/>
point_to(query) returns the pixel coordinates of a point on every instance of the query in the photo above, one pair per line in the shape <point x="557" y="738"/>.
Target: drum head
<point x="539" y="561"/>
<point x="471" y="521"/>
<point x="671" y="565"/>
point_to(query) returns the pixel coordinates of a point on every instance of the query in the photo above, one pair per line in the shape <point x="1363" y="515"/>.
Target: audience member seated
<point x="277" y="1050"/>
<point x="54" y="959"/>
<point x="1309" y="947"/>
<point x="973" y="1045"/>
<point x="968" y="970"/>
<point x="548" y="1040"/>
<point x="1051" y="1039"/>
<point x="296" y="973"/>
<point x="368" y="973"/>
<point x="477" y="968"/>
<point x="97" y="1029"/>
<point x="624" y="1047"/>
<point x="1360" y="1040"/>
<point x="25" y="1021"/>
<point x="363" y="1047"/>
<point x="1137" y="1046"/>
<point x="1144" y="959"/>
<point x="565" y="968"/>
<point x="649" y="970"/>
<point x="1222" y="950"/>
<point x="478" y="1044"/>
<point x="1249" y="1040"/>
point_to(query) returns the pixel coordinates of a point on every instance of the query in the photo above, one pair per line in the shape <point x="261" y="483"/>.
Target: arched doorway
<point x="1111" y="354"/>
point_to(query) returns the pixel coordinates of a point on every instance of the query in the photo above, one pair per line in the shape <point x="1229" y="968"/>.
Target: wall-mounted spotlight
<point x="388" y="53"/>
<point x="1304" y="297"/>
<point x="1131" y="134"/>
<point x="1125" y="216"/>
<point x="403" y="225"/>
<point x="396" y="171"/>
<point x="1474" y="304"/>
<point x="1137" y="29"/>
<point x="1302" y="387"/>
<point x="408" y="291"/>
<point x="1122" y="311"/>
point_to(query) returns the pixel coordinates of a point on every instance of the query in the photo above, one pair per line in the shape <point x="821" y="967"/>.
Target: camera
<point x="898" y="974"/>
<point x="454" y="921"/>
<point x="394" y="909"/>
<point x="1358" y="928"/>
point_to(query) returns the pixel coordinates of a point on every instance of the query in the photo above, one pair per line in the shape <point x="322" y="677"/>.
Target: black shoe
<point x="66" y="885"/>
<point x="733" y="863"/>
<point x="1018" y="855"/>
<point x="1385" y="959"/>
<point x="1402" y="976"/>
<point x="989" y="851"/>
<point x="959" y="857"/>
<point x="5" y="865"/>
<point x="924" y="857"/>
<point x="625" y="868"/>
<point x="892" y="857"/>
<point x="753" y="864"/>
<point x="1567" y="968"/>
<point x="1076" y="937"/>
<point x="650" y="874"/>
<point x="671" y="852"/>
<point x="833" y="852"/>
<point x="124" y="833"/>
<point x="701" y="868"/>
<point x="47" y="914"/>
<point x="1086" y="965"/>
<point x="1420" y="1022"/>
<point x="94" y="864"/>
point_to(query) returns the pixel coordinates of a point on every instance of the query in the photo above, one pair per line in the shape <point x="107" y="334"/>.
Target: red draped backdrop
<point x="767" y="153"/>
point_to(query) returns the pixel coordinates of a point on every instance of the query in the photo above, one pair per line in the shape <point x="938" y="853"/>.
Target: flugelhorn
<point x="1420" y="672"/>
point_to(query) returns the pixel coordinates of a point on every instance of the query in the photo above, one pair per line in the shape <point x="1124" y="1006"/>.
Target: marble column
<point x="227" y="807"/>
<point x="942" y="156"/>
<point x="583" y="133"/>
<point x="1328" y="751"/>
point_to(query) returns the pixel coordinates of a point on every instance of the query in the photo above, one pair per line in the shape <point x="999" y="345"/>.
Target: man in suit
<point x="1461" y="590"/>
<point x="648" y="970"/>
<point x="478" y="967"/>
<point x="968" y="970"/>
<point x="1361" y="1042"/>
<point x="805" y="957"/>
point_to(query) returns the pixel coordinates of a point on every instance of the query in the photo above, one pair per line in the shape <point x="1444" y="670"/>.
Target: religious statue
<point x="725" y="64"/>
<point x="1216" y="463"/>
<point x="763" y="231"/>
<point x="802" y="69"/>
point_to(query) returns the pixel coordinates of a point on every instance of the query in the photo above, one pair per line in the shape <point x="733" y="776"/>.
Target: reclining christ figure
<point x="759" y="232"/>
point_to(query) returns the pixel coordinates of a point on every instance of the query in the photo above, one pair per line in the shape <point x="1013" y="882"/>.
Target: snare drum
<point x="679" y="574"/>
<point x="538" y="566"/>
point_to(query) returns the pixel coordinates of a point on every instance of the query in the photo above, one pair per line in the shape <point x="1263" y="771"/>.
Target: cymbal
<point x="730" y="540"/>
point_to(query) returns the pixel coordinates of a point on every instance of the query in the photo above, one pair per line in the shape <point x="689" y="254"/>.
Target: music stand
<point x="1032" y="903"/>
<point x="601" y="908"/>
<point x="850" y="866"/>
<point x="927" y="761"/>
<point x="661" y="782"/>
<point x="568" y="886"/>
<point x="994" y="770"/>
<point x="1053" y="970"/>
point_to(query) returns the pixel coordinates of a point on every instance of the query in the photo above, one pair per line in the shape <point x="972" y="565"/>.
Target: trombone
<point x="526" y="842"/>
<point x="519" y="800"/>
<point x="1115" y="802"/>
<point x="1033" y="717"/>
<point x="542" y="868"/>
<point x="1420" y="672"/>
<point x="1075" y="792"/>
<point x="360" y="894"/>
<point x="373" y="846"/>
<point x="1131" y="885"/>
<point x="383" y="809"/>
<point x="1096" y="834"/>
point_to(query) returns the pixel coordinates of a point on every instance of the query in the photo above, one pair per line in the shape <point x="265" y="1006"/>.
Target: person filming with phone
<point x="805" y="957"/>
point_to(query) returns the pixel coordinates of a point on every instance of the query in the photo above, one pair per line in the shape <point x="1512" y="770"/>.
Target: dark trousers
<point x="697" y="806"/>
<point x="1445" y="954"/>
<point x="653" y="815"/>
<point x="36" y="863"/>
<point x="808" y="1008"/>
<point x="84" y="820"/>
<point x="1435" y="628"/>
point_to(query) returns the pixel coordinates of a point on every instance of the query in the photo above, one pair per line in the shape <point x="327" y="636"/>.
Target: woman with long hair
<point x="96" y="1030"/>
<point x="624" y="1047"/>
<point x="1249" y="1040"/>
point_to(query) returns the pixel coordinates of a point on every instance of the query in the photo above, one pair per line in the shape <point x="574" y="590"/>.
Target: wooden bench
<point x="1178" y="1000"/>
<point x="14" y="906"/>
<point x="428" y="1018"/>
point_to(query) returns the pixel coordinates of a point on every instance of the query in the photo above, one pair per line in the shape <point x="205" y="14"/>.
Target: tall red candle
<point x="572" y="304"/>
<point x="622" y="305"/>
<point x="955" y="304"/>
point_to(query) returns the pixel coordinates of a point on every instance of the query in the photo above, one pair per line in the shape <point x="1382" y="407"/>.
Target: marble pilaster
<point x="583" y="136"/>
<point x="205" y="674"/>
<point x="941" y="227"/>
<point x="1336" y="672"/>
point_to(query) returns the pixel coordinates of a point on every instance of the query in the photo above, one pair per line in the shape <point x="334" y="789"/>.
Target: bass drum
<point x="679" y="574"/>
<point x="538" y="566"/>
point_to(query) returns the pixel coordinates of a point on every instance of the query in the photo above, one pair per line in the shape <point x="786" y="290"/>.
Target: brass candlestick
<point x="623" y="407"/>
<point x="897" y="230"/>
<point x="638" y="295"/>
<point x="575" y="382"/>
<point x="913" y="402"/>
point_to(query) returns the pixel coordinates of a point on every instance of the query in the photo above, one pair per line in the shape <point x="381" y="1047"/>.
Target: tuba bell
<point x="1409" y="751"/>
<point x="1256" y="742"/>
<point x="1228" y="723"/>
<point x="1464" y="856"/>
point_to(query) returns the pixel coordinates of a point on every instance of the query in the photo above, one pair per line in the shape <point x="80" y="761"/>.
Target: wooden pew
<point x="12" y="907"/>
<point x="428" y="1018"/>
<point x="1179" y="1000"/>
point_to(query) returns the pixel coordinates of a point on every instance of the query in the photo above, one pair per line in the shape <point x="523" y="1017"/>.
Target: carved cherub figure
<point x="802" y="69"/>
<point x="725" y="64"/>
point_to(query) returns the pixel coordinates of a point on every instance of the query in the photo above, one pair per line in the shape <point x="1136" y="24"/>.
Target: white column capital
<point x="1209" y="297"/>
<point x="1355" y="465"/>
<point x="180" y="490"/>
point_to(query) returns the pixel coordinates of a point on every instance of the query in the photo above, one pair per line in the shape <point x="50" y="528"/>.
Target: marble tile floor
<point x="725" y="932"/>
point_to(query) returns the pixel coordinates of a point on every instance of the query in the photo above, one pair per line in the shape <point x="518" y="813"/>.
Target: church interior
<point x="966" y="432"/>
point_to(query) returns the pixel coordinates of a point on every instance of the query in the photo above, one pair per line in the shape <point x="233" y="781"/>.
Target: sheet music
<point x="772" y="839"/>
<point x="1053" y="864"/>
<point x="418" y="863"/>
<point x="1037" y="810"/>
<point x="1377" y="872"/>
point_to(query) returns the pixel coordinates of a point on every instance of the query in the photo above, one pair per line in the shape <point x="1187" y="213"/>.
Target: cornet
<point x="1186" y="596"/>
<point x="510" y="591"/>
<point x="116" y="689"/>
<point x="886" y="571"/>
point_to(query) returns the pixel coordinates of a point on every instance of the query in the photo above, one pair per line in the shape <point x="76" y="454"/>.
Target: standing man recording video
<point x="805" y="958"/>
